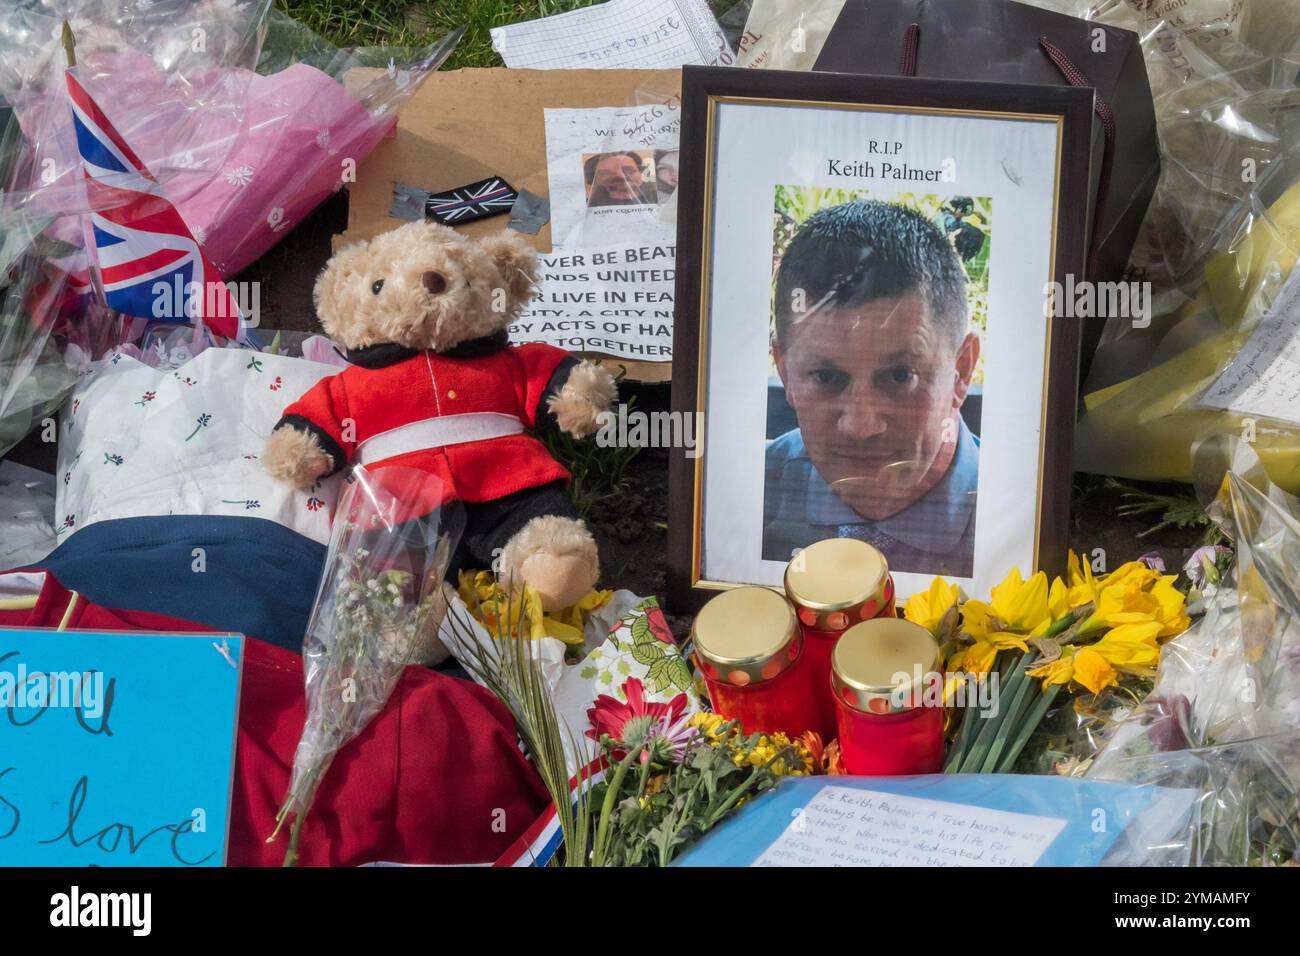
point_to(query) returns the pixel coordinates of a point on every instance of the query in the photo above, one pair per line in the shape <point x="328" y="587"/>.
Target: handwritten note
<point x="848" y="827"/>
<point x="1264" y="378"/>
<point x="621" y="34"/>
<point x="116" y="749"/>
<point x="616" y="300"/>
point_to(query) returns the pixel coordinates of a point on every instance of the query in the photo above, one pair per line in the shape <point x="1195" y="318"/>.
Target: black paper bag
<point x="1002" y="41"/>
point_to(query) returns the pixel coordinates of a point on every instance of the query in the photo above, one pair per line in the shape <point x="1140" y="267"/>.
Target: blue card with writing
<point x="939" y="820"/>
<point x="116" y="749"/>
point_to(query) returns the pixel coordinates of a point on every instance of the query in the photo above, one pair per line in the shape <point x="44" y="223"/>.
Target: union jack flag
<point x="138" y="237"/>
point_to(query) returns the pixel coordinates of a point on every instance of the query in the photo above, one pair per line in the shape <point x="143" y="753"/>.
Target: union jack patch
<point x="487" y="197"/>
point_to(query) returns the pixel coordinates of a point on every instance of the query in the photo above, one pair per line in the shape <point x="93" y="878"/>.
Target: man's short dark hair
<point x="860" y="251"/>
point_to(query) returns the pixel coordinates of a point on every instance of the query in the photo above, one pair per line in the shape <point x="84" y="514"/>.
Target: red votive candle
<point x="833" y="585"/>
<point x="750" y="651"/>
<point x="880" y="671"/>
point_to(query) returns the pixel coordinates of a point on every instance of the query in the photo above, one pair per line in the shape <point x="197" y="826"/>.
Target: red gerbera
<point x="628" y="723"/>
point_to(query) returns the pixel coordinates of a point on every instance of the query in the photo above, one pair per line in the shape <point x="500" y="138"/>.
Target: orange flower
<point x="834" y="765"/>
<point x="813" y="741"/>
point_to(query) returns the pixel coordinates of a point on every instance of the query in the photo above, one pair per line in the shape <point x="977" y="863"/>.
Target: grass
<point x="402" y="23"/>
<point x="349" y="23"/>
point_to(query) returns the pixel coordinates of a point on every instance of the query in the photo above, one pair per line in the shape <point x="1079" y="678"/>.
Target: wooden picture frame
<point x="755" y="127"/>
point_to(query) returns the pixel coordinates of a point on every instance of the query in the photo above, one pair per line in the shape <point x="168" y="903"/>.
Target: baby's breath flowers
<point x="379" y="602"/>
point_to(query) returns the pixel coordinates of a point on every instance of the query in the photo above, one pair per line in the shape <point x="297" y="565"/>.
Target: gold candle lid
<point x="837" y="582"/>
<point x="746" y="635"/>
<point x="876" y="665"/>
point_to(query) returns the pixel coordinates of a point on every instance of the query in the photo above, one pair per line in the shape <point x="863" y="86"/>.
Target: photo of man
<point x="618" y="179"/>
<point x="876" y="355"/>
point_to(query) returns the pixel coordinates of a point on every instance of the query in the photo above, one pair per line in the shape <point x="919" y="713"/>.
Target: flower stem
<point x="1027" y="728"/>
<point x="973" y="761"/>
<point x="1010" y="724"/>
<point x="607" y="808"/>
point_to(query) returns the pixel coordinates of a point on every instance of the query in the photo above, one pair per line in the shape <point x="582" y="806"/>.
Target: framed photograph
<point x="863" y="321"/>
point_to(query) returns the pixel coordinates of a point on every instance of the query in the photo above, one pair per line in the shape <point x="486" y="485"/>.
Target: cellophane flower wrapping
<point x="378" y="610"/>
<point x="1219" y="240"/>
<point x="1223" y="718"/>
<point x="246" y="120"/>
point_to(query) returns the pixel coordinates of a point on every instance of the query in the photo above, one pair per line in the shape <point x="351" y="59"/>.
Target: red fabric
<point x="436" y="777"/>
<point x="511" y="381"/>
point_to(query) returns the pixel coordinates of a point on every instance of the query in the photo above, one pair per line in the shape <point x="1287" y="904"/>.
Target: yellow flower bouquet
<point x="1034" y="637"/>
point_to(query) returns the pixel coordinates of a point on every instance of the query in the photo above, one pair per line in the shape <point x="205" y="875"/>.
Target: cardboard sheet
<point x="465" y="125"/>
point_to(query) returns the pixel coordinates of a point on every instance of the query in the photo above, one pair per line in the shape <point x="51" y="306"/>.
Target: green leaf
<point x="679" y="673"/>
<point x="648" y="653"/>
<point x="658" y="679"/>
<point x="587" y="673"/>
<point x="641" y="632"/>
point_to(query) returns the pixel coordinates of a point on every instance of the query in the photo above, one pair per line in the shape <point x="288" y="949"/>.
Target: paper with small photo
<point x="613" y="173"/>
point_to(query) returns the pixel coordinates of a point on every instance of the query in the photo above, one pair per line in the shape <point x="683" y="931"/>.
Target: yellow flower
<point x="1016" y="605"/>
<point x="710" y="725"/>
<point x="501" y="613"/>
<point x="766" y="751"/>
<point x="1138" y="598"/>
<point x="975" y="658"/>
<point x="1132" y="573"/>
<point x="1127" y="649"/>
<point x="1078" y="588"/>
<point x="929" y="608"/>
<point x="1172" y="607"/>
<point x="1059" y="671"/>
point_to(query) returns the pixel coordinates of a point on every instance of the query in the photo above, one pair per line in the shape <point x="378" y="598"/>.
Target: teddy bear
<point x="421" y="314"/>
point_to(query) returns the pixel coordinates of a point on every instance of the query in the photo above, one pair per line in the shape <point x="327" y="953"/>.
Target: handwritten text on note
<point x="1264" y="378"/>
<point x="847" y="827"/>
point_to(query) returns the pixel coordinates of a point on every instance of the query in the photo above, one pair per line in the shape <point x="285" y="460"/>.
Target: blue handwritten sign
<point x="116" y="749"/>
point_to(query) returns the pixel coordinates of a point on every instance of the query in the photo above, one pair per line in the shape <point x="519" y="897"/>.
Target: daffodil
<point x="1058" y="671"/>
<point x="931" y="609"/>
<point x="1015" y="605"/>
<point x="1126" y="649"/>
<point x="1136" y="598"/>
<point x="978" y="658"/>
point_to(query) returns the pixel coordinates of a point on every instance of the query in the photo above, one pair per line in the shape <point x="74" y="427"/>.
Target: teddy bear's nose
<point x="435" y="282"/>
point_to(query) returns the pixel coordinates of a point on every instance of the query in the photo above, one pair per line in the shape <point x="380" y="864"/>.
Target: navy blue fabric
<point x="260" y="578"/>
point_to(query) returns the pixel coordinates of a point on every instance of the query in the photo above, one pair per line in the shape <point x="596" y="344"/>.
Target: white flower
<point x="323" y="138"/>
<point x="240" y="175"/>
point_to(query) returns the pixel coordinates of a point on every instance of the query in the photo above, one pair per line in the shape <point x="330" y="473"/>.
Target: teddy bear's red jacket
<point x="462" y="416"/>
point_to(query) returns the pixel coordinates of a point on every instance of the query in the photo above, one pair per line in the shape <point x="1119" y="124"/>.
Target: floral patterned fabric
<point x="137" y="441"/>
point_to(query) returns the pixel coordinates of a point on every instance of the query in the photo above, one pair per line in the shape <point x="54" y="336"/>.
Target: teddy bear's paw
<point x="296" y="457"/>
<point x="556" y="556"/>
<point x="588" y="392"/>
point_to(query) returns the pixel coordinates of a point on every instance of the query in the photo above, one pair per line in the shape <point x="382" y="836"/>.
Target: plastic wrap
<point x="1224" y="715"/>
<point x="246" y="121"/>
<point x="378" y="610"/>
<point x="1146" y="426"/>
<point x="1219" y="238"/>
<point x="27" y="516"/>
<point x="786" y="34"/>
<point x="243" y="144"/>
